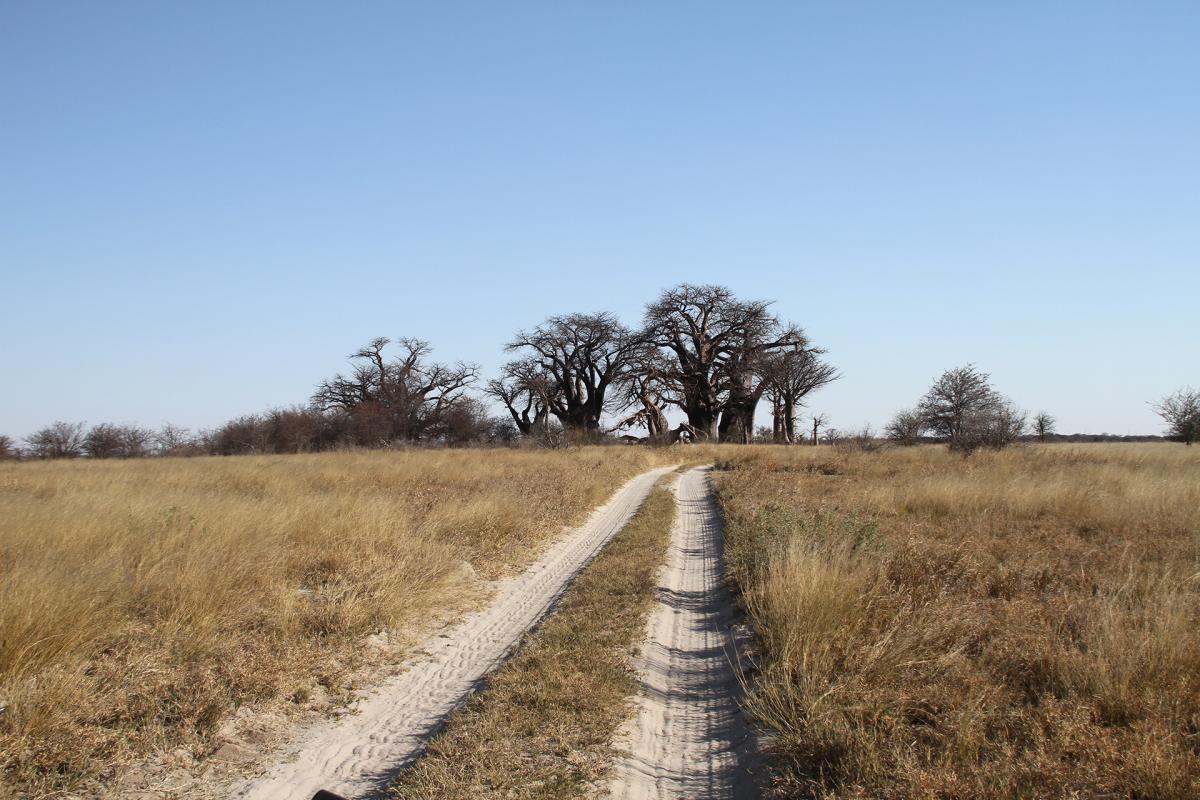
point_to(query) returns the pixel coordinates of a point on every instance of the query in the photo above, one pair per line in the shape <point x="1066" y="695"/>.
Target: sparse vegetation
<point x="442" y="291"/>
<point x="1027" y="625"/>
<point x="141" y="602"/>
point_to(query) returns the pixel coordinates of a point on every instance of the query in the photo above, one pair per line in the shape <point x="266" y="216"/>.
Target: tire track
<point x="688" y="737"/>
<point x="358" y="755"/>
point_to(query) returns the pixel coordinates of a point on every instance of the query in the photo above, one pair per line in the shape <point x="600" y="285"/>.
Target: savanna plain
<point x="1021" y="623"/>
<point x="144" y="602"/>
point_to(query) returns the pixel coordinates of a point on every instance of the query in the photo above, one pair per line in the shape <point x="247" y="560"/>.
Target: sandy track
<point x="688" y="737"/>
<point x="357" y="755"/>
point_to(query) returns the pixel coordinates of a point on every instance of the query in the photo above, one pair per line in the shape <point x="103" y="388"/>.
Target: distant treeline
<point x="302" y="429"/>
<point x="1097" y="437"/>
<point x="574" y="377"/>
<point x="307" y="430"/>
<point x="586" y="377"/>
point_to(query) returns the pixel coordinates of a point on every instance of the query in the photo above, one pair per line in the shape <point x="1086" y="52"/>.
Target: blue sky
<point x="205" y="206"/>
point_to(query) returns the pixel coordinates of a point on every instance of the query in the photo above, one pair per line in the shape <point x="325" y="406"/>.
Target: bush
<point x="905" y="428"/>
<point x="117" y="441"/>
<point x="963" y="410"/>
<point x="863" y="440"/>
<point x="171" y="440"/>
<point x="59" y="440"/>
<point x="1181" y="412"/>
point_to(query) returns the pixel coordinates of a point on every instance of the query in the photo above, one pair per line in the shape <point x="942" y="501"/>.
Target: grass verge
<point x="544" y="725"/>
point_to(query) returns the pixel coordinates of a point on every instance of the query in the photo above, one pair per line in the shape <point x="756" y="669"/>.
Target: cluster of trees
<point x="301" y="429"/>
<point x="966" y="412"/>
<point x="395" y="392"/>
<point x="107" y="440"/>
<point x="963" y="410"/>
<point x="311" y="429"/>
<point x="698" y="349"/>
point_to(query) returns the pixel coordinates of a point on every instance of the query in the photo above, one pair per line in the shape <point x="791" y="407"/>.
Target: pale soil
<point x="688" y="737"/>
<point x="358" y="754"/>
<point x="543" y="728"/>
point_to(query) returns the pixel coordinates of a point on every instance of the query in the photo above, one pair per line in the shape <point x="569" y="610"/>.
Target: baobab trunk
<point x="744" y="417"/>
<point x="525" y="426"/>
<point x="789" y="421"/>
<point x="704" y="422"/>
<point x="656" y="421"/>
<point x="737" y="423"/>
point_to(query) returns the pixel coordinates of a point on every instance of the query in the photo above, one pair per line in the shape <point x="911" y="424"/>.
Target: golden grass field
<point x="1017" y="624"/>
<point x="1023" y="623"/>
<point x="141" y="602"/>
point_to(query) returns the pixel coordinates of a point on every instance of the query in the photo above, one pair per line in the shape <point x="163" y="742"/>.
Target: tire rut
<point x="358" y="755"/>
<point x="688" y="737"/>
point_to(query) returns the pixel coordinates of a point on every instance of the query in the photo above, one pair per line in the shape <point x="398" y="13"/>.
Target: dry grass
<point x="142" y="602"/>
<point x="543" y="728"/>
<point x="1019" y="624"/>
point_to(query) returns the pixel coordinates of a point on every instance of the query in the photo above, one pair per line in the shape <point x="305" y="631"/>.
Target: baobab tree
<point x="790" y="375"/>
<point x="398" y="399"/>
<point x="524" y="388"/>
<point x="648" y="391"/>
<point x="715" y="343"/>
<point x="750" y="367"/>
<point x="584" y="356"/>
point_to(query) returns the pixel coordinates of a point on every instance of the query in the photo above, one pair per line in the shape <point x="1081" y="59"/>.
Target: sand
<point x="688" y="737"/>
<point x="358" y="755"/>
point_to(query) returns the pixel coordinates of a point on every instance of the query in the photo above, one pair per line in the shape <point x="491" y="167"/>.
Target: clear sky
<point x="205" y="206"/>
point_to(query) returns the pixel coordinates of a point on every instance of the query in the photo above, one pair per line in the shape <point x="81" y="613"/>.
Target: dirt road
<point x="357" y="755"/>
<point x="688" y="738"/>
